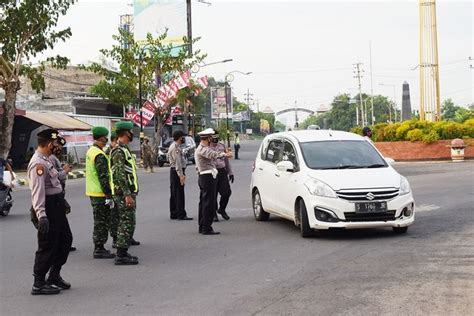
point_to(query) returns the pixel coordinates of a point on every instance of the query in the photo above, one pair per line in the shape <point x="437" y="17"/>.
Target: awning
<point x="58" y="120"/>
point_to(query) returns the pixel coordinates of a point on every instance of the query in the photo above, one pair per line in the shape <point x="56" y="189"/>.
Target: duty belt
<point x="212" y="172"/>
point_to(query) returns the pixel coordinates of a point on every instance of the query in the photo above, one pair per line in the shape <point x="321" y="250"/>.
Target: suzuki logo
<point x="370" y="196"/>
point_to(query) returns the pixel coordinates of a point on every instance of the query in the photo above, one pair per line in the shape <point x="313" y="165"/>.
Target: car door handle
<point x="277" y="175"/>
<point x="261" y="169"/>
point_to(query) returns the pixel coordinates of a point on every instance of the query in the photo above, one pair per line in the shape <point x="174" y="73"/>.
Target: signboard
<point x="77" y="138"/>
<point x="218" y="104"/>
<point x="248" y="131"/>
<point x="241" y="116"/>
<point x="157" y="16"/>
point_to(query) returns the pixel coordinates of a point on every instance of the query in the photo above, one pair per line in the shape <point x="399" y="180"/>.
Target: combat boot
<point x="101" y="253"/>
<point x="40" y="287"/>
<point x="114" y="243"/>
<point x="124" y="258"/>
<point x="134" y="242"/>
<point x="55" y="280"/>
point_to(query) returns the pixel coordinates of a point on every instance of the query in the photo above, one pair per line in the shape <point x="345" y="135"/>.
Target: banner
<point x="77" y="138"/>
<point x="219" y="108"/>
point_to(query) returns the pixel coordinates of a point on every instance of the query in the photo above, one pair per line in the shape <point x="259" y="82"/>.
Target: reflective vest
<point x="130" y="169"/>
<point x="93" y="187"/>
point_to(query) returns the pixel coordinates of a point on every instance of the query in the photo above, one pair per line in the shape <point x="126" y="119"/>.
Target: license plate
<point x="371" y="207"/>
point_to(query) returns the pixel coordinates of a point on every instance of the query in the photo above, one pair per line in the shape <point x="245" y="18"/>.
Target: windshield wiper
<point x="349" y="167"/>
<point x="376" y="165"/>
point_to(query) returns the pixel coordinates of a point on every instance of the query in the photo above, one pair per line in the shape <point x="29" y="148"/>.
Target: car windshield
<point x="344" y="154"/>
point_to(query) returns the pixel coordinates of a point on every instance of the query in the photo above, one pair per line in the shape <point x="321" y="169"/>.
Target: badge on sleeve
<point x="40" y="170"/>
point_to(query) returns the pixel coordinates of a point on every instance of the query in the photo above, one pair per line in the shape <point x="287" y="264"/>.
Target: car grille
<point x="368" y="195"/>
<point x="370" y="217"/>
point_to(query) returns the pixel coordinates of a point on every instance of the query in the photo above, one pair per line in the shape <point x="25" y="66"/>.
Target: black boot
<point x="124" y="258"/>
<point x="216" y="219"/>
<point x="101" y="253"/>
<point x="114" y="243"/>
<point x="55" y="280"/>
<point x="134" y="242"/>
<point x="40" y="287"/>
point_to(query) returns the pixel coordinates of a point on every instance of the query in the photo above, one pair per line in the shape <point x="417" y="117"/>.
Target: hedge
<point x="415" y="130"/>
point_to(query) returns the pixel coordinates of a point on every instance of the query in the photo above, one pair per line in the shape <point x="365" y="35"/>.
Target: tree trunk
<point x="8" y="118"/>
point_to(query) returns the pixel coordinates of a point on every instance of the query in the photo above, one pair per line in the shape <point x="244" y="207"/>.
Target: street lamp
<point x="140" y="96"/>
<point x="197" y="67"/>
<point x="229" y="77"/>
<point x="394" y="100"/>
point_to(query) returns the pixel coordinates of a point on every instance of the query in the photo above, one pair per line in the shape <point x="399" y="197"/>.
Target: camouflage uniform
<point x="121" y="172"/>
<point x="101" y="211"/>
<point x="114" y="217"/>
<point x="147" y="156"/>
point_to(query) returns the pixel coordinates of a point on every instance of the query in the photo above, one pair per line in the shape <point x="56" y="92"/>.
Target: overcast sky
<point x="304" y="51"/>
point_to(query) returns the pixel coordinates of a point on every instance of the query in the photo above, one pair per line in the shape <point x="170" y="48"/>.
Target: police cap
<point x="206" y="133"/>
<point x="48" y="134"/>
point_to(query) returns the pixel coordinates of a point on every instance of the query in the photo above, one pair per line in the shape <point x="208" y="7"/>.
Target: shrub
<point x="430" y="137"/>
<point x="452" y="130"/>
<point x="415" y="135"/>
<point x="390" y="132"/>
<point x="402" y="131"/>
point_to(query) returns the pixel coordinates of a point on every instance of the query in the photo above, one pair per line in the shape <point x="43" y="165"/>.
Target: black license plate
<point x="371" y="207"/>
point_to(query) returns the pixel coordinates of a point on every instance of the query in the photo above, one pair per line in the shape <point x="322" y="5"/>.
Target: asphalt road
<point x="258" y="267"/>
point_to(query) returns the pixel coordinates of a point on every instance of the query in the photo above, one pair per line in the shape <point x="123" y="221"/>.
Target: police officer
<point x="224" y="175"/>
<point x="125" y="190"/>
<point x="177" y="177"/>
<point x="237" y="145"/>
<point x="205" y="163"/>
<point x="54" y="234"/>
<point x="99" y="191"/>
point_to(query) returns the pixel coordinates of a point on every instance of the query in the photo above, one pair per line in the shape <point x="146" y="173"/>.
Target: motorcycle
<point x="6" y="199"/>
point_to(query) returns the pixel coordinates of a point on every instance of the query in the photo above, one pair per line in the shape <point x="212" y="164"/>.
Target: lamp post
<point x="229" y="77"/>
<point x="140" y="92"/>
<point x="394" y="100"/>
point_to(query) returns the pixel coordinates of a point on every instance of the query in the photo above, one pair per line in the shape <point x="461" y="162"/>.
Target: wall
<point x="410" y="151"/>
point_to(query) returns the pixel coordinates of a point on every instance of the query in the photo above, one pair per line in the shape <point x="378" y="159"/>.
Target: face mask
<point x="130" y="137"/>
<point x="57" y="150"/>
<point x="215" y="140"/>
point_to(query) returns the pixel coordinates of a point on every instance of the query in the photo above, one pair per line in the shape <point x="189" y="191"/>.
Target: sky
<point x="305" y="51"/>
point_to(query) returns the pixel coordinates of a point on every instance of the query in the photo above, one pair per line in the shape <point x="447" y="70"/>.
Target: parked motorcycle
<point x="6" y="199"/>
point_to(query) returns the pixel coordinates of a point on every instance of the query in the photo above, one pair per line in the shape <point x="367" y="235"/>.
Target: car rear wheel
<point x="305" y="230"/>
<point x="400" y="230"/>
<point x="258" y="211"/>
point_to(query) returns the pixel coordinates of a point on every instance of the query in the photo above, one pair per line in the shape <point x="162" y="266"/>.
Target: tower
<point x="406" y="103"/>
<point x="430" y="105"/>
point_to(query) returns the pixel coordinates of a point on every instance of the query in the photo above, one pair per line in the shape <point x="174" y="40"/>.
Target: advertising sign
<point x="218" y="104"/>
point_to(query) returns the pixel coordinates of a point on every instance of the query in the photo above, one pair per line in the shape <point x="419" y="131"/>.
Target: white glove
<point x="110" y="203"/>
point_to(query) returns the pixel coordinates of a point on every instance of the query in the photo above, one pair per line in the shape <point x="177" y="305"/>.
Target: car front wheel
<point x="258" y="211"/>
<point x="305" y="230"/>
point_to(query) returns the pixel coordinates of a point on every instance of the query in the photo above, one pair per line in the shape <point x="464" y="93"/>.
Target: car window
<point x="263" y="153"/>
<point x="274" y="151"/>
<point x="189" y="141"/>
<point x="289" y="153"/>
<point x="343" y="154"/>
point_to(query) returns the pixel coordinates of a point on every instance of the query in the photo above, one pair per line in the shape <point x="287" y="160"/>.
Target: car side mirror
<point x="390" y="161"/>
<point x="285" y="166"/>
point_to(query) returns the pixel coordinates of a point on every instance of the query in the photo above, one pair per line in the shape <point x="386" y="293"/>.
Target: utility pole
<point x="371" y="85"/>
<point x="358" y="76"/>
<point x="296" y="116"/>
<point x="248" y="97"/>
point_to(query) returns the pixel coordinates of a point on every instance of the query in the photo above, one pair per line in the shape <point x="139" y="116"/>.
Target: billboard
<point x="219" y="102"/>
<point x="155" y="16"/>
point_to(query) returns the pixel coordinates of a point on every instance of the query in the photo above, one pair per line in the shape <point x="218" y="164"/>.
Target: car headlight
<point x="404" y="186"/>
<point x="319" y="188"/>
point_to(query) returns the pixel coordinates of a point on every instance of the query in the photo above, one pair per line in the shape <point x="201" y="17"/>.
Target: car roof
<point x="304" y="136"/>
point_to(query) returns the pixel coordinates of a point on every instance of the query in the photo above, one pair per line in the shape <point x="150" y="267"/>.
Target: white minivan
<point x="323" y="179"/>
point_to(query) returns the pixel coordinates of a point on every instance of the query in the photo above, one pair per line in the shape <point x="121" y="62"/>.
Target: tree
<point x="150" y="61"/>
<point x="448" y="110"/>
<point x="27" y="28"/>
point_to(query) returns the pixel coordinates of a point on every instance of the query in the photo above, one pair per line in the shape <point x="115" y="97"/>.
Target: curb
<point x="76" y="174"/>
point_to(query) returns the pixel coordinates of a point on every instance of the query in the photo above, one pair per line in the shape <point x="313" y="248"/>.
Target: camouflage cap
<point x="99" y="131"/>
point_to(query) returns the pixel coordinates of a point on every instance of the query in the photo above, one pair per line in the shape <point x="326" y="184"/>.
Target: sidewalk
<point x="75" y="174"/>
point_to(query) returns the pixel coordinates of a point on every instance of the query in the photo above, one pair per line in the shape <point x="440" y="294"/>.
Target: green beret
<point x="124" y="125"/>
<point x="113" y="134"/>
<point x="99" y="131"/>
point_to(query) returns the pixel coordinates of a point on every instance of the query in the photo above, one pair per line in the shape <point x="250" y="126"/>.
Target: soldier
<point x="125" y="190"/>
<point x="54" y="233"/>
<point x="177" y="177"/>
<point x="63" y="172"/>
<point x="114" y="218"/>
<point x="224" y="175"/>
<point x="205" y="163"/>
<point x="99" y="191"/>
<point x="147" y="155"/>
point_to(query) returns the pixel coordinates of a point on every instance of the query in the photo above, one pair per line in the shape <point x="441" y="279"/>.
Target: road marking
<point x="426" y="208"/>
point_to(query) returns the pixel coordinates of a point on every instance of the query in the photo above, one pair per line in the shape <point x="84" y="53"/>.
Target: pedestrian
<point x="54" y="234"/>
<point x="205" y="163"/>
<point x="237" y="145"/>
<point x="99" y="191"/>
<point x="63" y="172"/>
<point x="224" y="175"/>
<point x="367" y="133"/>
<point x="124" y="190"/>
<point x="177" y="162"/>
<point x="147" y="155"/>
